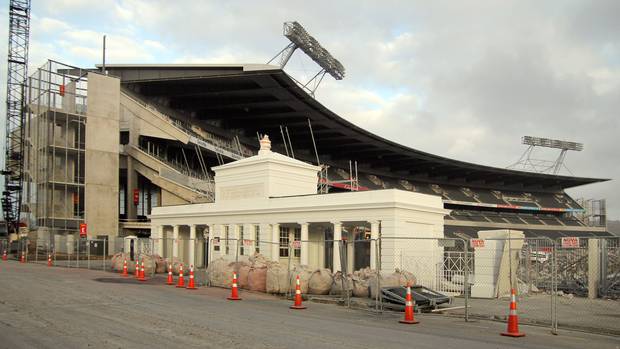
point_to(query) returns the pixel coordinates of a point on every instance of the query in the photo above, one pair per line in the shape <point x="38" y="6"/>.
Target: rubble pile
<point x="256" y="273"/>
<point x="152" y="263"/>
<point x="572" y="274"/>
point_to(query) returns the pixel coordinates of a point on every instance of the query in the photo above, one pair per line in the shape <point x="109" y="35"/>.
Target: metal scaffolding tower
<point x="19" y="30"/>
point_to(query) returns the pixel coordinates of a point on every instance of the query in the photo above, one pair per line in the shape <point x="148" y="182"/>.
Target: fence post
<point x="104" y="254"/>
<point x="289" y="292"/>
<point x="466" y="277"/>
<point x="377" y="271"/>
<point x="554" y="288"/>
<point x="36" y="251"/>
<point x="77" y="258"/>
<point x="88" y="246"/>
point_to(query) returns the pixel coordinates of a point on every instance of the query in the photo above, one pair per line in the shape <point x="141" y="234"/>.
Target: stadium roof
<point x="259" y="98"/>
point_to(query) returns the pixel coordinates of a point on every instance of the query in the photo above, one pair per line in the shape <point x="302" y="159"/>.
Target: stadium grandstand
<point x="230" y="105"/>
<point x="176" y="122"/>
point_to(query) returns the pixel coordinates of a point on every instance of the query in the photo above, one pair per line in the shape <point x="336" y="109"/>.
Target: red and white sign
<point x="296" y="244"/>
<point x="570" y="242"/>
<point x="83" y="229"/>
<point x="136" y="196"/>
<point x="248" y="242"/>
<point x="216" y="241"/>
<point x="476" y="243"/>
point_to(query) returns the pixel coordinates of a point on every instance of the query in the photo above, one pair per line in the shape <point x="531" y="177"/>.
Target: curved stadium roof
<point x="260" y="98"/>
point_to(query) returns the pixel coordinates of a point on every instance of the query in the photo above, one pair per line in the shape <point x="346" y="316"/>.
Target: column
<point x="249" y="234"/>
<point x="132" y="183"/>
<point x="234" y="234"/>
<point x="275" y="239"/>
<point x="160" y="241"/>
<point x="374" y="235"/>
<point x="175" y="241"/>
<point x="337" y="238"/>
<point x="304" y="244"/>
<point x="215" y="231"/>
<point x="192" y="244"/>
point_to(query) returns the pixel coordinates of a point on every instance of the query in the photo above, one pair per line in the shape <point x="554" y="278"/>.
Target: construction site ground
<point x="44" y="307"/>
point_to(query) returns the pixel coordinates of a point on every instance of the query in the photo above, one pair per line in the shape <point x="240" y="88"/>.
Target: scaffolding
<point x="595" y="212"/>
<point x="55" y="136"/>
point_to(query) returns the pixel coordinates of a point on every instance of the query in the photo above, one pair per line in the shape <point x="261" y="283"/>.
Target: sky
<point x="461" y="79"/>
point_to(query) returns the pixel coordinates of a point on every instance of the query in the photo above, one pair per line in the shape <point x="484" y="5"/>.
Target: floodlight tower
<point x="527" y="163"/>
<point x="19" y="33"/>
<point x="300" y="38"/>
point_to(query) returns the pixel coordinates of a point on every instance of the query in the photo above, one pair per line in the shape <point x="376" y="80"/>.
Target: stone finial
<point x="265" y="145"/>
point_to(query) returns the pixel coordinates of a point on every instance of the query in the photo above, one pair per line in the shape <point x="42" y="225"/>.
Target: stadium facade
<point x="105" y="149"/>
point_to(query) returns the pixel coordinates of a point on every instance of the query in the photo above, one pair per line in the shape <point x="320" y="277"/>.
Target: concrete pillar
<point x="350" y="252"/>
<point x="192" y="244"/>
<point x="215" y="231"/>
<point x="275" y="239"/>
<point x="132" y="183"/>
<point x="304" y="244"/>
<point x="374" y="235"/>
<point x="250" y="234"/>
<point x="337" y="238"/>
<point x="235" y="234"/>
<point x="265" y="236"/>
<point x="594" y="267"/>
<point x="159" y="242"/>
<point x="175" y="241"/>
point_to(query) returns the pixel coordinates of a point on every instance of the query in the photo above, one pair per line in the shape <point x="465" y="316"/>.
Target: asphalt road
<point x="43" y="307"/>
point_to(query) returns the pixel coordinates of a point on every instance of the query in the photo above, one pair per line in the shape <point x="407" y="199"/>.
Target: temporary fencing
<point x="587" y="283"/>
<point x="569" y="282"/>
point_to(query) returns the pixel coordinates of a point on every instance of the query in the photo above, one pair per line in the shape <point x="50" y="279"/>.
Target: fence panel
<point x="439" y="264"/>
<point x="524" y="265"/>
<point x="588" y="284"/>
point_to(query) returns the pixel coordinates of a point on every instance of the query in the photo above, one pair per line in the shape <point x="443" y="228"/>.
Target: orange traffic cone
<point x="142" y="276"/>
<point x="137" y="269"/>
<point x="23" y="260"/>
<point x="170" y="279"/>
<point x="234" y="293"/>
<point x="181" y="282"/>
<point x="191" y="285"/>
<point x="408" y="309"/>
<point x="4" y="256"/>
<point x="49" y="260"/>
<point x="297" y="304"/>
<point x="125" y="273"/>
<point x="513" y="320"/>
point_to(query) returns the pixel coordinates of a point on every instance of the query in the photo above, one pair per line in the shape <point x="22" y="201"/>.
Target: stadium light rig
<point x="300" y="38"/>
<point x="551" y="143"/>
<point x="527" y="163"/>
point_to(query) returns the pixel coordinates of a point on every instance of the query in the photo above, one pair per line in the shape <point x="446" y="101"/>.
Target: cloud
<point x="458" y="79"/>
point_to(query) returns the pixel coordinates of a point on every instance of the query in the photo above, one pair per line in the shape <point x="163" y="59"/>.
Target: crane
<point x="19" y="33"/>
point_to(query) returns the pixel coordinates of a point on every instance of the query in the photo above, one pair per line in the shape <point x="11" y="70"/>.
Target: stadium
<point x="174" y="122"/>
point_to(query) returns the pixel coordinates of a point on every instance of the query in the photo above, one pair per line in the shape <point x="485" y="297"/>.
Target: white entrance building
<point x="267" y="201"/>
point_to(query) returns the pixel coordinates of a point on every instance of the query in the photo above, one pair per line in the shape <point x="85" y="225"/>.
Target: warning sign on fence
<point x="296" y="244"/>
<point x="477" y="243"/>
<point x="216" y="241"/>
<point x="248" y="242"/>
<point x="83" y="229"/>
<point x="570" y="242"/>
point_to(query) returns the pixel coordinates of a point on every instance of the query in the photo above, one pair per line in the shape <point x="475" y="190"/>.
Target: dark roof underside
<point x="262" y="100"/>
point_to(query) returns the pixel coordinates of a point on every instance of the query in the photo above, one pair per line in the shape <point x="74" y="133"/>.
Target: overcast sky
<point x="462" y="79"/>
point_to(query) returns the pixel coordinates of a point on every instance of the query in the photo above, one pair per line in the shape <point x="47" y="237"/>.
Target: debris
<point x="320" y="282"/>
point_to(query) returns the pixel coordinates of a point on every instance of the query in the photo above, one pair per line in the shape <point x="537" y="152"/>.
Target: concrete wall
<point x="102" y="155"/>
